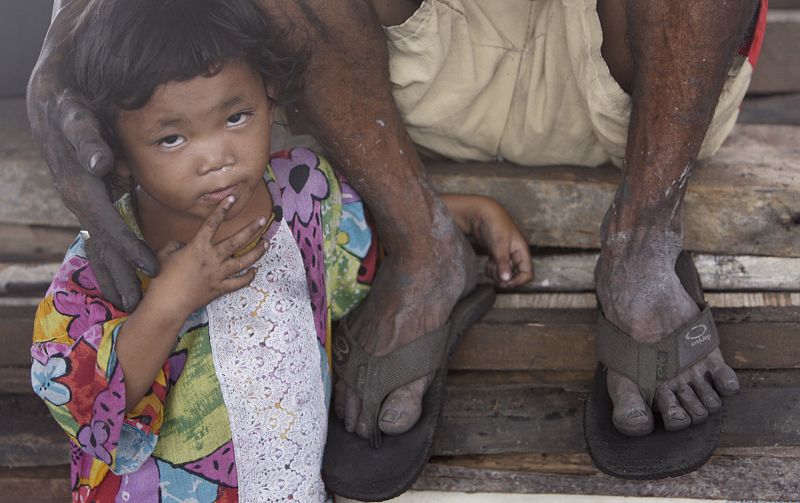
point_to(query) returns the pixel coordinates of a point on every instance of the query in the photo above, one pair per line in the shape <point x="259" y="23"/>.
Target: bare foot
<point x="640" y="293"/>
<point x="410" y="296"/>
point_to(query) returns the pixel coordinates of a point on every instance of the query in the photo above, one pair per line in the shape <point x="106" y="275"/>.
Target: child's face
<point x="196" y="142"/>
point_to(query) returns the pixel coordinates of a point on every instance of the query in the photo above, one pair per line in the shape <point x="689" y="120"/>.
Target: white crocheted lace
<point x="267" y="359"/>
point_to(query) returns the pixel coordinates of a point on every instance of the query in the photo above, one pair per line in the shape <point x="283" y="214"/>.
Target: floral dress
<point x="177" y="443"/>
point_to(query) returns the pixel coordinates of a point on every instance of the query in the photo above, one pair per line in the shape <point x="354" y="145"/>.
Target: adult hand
<point x="77" y="156"/>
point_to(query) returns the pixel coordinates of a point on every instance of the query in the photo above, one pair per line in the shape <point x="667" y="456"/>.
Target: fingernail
<point x="699" y="411"/>
<point x="362" y="429"/>
<point x="266" y="245"/>
<point x="505" y="276"/>
<point x="231" y="199"/>
<point x="262" y="222"/>
<point x="712" y="402"/>
<point x="94" y="160"/>
<point x="390" y="416"/>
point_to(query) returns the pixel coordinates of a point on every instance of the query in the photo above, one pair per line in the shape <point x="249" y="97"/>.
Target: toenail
<point x="390" y="416"/>
<point x="677" y="414"/>
<point x="636" y="413"/>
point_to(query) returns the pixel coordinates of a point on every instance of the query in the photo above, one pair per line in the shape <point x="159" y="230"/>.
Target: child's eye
<point x="238" y="118"/>
<point x="171" y="141"/>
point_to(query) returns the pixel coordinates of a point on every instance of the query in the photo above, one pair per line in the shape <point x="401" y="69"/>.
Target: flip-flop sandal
<point x="386" y="466"/>
<point x="662" y="453"/>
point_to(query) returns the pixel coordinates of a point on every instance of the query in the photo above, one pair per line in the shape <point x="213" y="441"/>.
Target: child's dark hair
<point x="121" y="50"/>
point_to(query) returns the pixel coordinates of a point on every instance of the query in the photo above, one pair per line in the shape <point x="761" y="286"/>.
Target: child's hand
<point x="490" y="224"/>
<point x="509" y="262"/>
<point x="194" y="274"/>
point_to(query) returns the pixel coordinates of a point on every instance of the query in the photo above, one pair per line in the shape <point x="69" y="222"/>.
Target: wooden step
<point x="732" y="474"/>
<point x="778" y="68"/>
<point x="40" y="484"/>
<point x="497" y="413"/>
<point x="486" y="413"/>
<point x="516" y="337"/>
<point x="746" y="200"/>
<point x="572" y="272"/>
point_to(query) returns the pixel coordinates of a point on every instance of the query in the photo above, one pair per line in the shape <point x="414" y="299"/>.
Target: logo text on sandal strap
<point x="661" y="366"/>
<point x="698" y="334"/>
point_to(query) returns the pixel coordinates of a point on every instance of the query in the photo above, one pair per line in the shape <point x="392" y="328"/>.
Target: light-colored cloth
<point x="177" y="444"/>
<point x="521" y="80"/>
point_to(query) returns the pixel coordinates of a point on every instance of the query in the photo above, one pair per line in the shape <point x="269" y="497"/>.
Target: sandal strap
<point x="374" y="377"/>
<point x="649" y="364"/>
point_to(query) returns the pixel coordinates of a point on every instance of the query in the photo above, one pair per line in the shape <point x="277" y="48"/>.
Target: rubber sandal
<point x="386" y="466"/>
<point x="662" y="453"/>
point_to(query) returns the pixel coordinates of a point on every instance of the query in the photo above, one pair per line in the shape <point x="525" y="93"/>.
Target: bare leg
<point x="673" y="58"/>
<point x="348" y="105"/>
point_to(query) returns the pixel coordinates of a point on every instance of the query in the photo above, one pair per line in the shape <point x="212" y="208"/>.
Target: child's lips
<point x="218" y="195"/>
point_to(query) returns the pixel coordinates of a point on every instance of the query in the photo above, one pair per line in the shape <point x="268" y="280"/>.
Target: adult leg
<point x="673" y="57"/>
<point x="349" y="107"/>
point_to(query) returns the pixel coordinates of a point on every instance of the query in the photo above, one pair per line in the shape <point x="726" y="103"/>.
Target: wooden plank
<point x="503" y="418"/>
<point x="771" y="109"/>
<point x="30" y="436"/>
<point x="778" y="69"/>
<point x="744" y="201"/>
<point x="26" y="187"/>
<point x="26" y="278"/>
<point x="41" y="484"/>
<point x="534" y="339"/>
<point x="574" y="272"/>
<point x="15" y="380"/>
<point x="524" y="335"/>
<point x="484" y="419"/>
<point x="34" y="243"/>
<point x="728" y="476"/>
<point x="588" y="301"/>
<point x="16" y="331"/>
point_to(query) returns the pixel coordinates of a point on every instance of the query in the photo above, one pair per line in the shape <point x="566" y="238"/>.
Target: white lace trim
<point x="267" y="359"/>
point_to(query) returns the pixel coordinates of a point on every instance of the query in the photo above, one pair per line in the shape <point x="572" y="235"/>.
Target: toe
<point x="725" y="380"/>
<point x="691" y="403"/>
<point x="352" y="409"/>
<point x="339" y="395"/>
<point x="631" y="415"/>
<point x="402" y="408"/>
<point x="673" y="415"/>
<point x="707" y="395"/>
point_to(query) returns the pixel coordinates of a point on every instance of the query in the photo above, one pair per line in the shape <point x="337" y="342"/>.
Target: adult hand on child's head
<point x="195" y="273"/>
<point x="77" y="156"/>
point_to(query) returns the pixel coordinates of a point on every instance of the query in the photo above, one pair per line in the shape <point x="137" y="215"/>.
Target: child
<point x="216" y="386"/>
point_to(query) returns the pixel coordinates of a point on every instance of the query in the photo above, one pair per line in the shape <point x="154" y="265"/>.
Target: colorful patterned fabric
<point x="175" y="444"/>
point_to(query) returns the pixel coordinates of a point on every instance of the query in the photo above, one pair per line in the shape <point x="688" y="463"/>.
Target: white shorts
<point x="521" y="80"/>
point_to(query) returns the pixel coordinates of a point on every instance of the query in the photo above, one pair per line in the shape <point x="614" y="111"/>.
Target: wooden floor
<point x="513" y="419"/>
